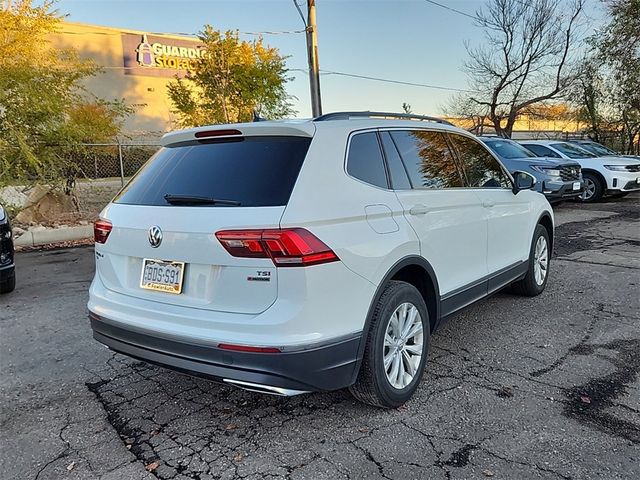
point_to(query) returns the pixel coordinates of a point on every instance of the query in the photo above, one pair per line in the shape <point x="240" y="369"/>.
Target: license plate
<point x="162" y="275"/>
<point x="576" y="185"/>
<point x="638" y="180"/>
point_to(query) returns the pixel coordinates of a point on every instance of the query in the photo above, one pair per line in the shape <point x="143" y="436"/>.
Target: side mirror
<point x="522" y="181"/>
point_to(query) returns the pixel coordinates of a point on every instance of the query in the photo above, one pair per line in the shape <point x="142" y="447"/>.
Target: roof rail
<point x="367" y="114"/>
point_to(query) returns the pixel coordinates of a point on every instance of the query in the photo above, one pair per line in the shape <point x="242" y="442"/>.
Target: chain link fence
<point x="103" y="169"/>
<point x="112" y="160"/>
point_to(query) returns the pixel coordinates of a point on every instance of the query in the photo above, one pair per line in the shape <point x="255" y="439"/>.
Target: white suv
<point x="296" y="256"/>
<point x="618" y="176"/>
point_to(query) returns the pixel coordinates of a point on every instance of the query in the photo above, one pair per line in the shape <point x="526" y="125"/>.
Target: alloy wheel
<point x="403" y="345"/>
<point x="541" y="260"/>
<point x="589" y="189"/>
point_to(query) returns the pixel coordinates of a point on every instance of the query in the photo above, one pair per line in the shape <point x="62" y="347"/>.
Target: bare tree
<point x="526" y="58"/>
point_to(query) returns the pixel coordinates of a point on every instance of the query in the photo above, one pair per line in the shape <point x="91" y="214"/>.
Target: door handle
<point x="418" y="210"/>
<point x="488" y="204"/>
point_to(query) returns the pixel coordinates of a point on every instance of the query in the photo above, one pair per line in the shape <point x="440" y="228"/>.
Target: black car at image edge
<point x="7" y="265"/>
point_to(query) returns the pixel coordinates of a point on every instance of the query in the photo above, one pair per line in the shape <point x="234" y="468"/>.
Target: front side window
<point x="365" y="162"/>
<point x="541" y="150"/>
<point x="479" y="167"/>
<point x="427" y="158"/>
<point x="509" y="149"/>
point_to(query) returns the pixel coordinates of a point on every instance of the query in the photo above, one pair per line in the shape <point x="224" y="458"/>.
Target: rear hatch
<point x="164" y="221"/>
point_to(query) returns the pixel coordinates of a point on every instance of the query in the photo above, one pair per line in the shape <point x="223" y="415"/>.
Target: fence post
<point x="121" y="163"/>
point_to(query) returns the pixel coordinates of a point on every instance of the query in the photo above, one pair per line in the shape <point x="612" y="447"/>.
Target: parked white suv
<point x="602" y="175"/>
<point x="296" y="256"/>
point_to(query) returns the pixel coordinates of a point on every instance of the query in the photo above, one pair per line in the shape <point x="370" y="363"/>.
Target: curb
<point x="32" y="238"/>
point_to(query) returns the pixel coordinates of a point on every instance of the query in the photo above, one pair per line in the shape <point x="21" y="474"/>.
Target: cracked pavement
<point x="544" y="387"/>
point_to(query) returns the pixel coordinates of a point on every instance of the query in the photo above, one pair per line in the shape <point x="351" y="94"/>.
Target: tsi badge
<point x="260" y="276"/>
<point x="155" y="236"/>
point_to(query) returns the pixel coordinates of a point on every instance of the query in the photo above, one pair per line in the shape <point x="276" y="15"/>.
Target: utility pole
<point x="314" y="65"/>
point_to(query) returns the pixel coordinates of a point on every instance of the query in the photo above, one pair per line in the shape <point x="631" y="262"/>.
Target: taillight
<point x="101" y="230"/>
<point x="293" y="247"/>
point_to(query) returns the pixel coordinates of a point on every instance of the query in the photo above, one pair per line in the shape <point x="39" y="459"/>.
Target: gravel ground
<point x="544" y="387"/>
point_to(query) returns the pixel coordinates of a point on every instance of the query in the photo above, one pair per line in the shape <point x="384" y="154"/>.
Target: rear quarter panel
<point x="331" y="204"/>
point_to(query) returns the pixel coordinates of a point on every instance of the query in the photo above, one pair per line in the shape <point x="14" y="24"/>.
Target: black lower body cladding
<point x="327" y="367"/>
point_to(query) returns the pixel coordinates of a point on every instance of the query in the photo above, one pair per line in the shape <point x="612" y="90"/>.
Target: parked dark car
<point x="558" y="179"/>
<point x="7" y="265"/>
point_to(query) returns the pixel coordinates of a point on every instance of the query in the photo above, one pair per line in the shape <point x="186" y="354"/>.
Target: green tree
<point x="608" y="91"/>
<point x="231" y="81"/>
<point x="45" y="113"/>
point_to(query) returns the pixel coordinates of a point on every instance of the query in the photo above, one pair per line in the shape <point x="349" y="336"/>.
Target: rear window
<point x="253" y="171"/>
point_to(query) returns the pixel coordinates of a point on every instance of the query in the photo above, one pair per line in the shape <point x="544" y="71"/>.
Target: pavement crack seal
<point x="587" y="403"/>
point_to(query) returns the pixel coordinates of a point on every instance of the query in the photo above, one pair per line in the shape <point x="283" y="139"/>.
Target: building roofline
<point x="118" y="30"/>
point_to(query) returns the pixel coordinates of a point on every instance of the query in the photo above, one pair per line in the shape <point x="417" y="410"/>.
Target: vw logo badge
<point x="155" y="236"/>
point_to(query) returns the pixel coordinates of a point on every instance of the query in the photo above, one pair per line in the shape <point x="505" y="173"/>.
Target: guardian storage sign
<point x="157" y="56"/>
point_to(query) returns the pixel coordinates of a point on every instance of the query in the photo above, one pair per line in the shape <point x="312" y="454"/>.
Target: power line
<point x="323" y="72"/>
<point x="181" y="34"/>
<point x="451" y="9"/>
<point x="397" y="82"/>
<point x="304" y="21"/>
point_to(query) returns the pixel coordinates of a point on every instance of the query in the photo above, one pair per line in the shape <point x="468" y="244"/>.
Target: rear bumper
<point x="319" y="368"/>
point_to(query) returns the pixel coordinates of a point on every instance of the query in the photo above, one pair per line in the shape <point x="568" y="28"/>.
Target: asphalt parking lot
<point x="544" y="387"/>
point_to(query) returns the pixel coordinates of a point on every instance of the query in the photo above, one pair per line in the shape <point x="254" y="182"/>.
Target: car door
<point x="448" y="219"/>
<point x="508" y="214"/>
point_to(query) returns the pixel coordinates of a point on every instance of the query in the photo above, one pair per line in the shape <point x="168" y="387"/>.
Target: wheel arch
<point x="596" y="174"/>
<point x="416" y="271"/>
<point x="547" y="222"/>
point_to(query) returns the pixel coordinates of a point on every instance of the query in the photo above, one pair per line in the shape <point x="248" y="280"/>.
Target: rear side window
<point x="479" y="167"/>
<point x="541" y="150"/>
<point x="397" y="172"/>
<point x="254" y="171"/>
<point x="427" y="158"/>
<point x="364" y="161"/>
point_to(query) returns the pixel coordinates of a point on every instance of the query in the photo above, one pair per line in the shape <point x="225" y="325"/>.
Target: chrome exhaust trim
<point x="256" y="387"/>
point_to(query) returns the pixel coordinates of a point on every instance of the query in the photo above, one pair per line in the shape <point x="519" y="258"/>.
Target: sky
<point x="414" y="41"/>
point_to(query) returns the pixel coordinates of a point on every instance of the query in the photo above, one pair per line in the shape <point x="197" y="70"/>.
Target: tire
<point x="9" y="284"/>
<point x="530" y="285"/>
<point x="593" y="188"/>
<point x="374" y="385"/>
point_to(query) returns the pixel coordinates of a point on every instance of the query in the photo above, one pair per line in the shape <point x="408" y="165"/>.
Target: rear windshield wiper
<point x="197" y="200"/>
